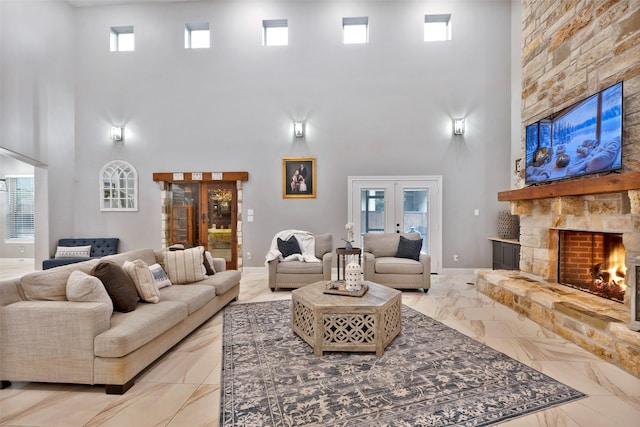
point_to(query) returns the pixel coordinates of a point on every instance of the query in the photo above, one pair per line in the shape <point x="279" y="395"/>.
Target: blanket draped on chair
<point x="307" y="245"/>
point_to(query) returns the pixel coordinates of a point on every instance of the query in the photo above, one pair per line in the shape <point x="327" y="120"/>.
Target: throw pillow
<point x="208" y="263"/>
<point x="185" y="266"/>
<point x="83" y="287"/>
<point x="141" y="276"/>
<point x="209" y="269"/>
<point x="289" y="247"/>
<point x="119" y="286"/>
<point x="73" y="252"/>
<point x="160" y="278"/>
<point x="408" y="248"/>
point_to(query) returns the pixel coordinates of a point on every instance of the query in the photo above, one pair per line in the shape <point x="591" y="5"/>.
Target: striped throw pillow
<point x="141" y="277"/>
<point x="185" y="266"/>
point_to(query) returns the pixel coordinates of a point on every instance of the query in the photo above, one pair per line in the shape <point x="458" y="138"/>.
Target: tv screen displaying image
<point x="582" y="139"/>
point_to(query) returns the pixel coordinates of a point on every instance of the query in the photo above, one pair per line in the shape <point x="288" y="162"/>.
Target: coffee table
<point x="346" y="323"/>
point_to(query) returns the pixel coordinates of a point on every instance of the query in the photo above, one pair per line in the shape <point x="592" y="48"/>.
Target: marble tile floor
<point x="183" y="387"/>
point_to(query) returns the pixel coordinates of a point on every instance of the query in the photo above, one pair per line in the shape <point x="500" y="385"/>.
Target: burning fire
<point x="610" y="282"/>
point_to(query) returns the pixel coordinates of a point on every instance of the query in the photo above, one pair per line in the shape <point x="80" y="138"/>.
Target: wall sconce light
<point x="117" y="132"/>
<point x="3" y="185"/>
<point x="298" y="129"/>
<point x="458" y="126"/>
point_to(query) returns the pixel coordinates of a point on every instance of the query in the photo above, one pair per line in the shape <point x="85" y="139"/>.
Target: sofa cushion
<point x="393" y="265"/>
<point x="299" y="267"/>
<point x="195" y="296"/>
<point x="185" y="266"/>
<point x="51" y="285"/>
<point x="160" y="278"/>
<point x="409" y="248"/>
<point x="129" y="331"/>
<point x="141" y="277"/>
<point x="385" y="244"/>
<point x="83" y="287"/>
<point x="289" y="247"/>
<point x="222" y="281"/>
<point x="146" y="255"/>
<point x="119" y="286"/>
<point x="73" y="252"/>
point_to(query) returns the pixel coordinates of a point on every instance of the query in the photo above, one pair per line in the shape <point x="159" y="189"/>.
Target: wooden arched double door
<point x="205" y="214"/>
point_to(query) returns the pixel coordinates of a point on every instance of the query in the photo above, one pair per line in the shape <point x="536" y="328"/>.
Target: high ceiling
<point x="82" y="3"/>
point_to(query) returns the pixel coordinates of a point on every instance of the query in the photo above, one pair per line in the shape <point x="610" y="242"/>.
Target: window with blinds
<point x="20" y="207"/>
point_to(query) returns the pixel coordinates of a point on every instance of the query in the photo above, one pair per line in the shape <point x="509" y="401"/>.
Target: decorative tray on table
<point x="338" y="287"/>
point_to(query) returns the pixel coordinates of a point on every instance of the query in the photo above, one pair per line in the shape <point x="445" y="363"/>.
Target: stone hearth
<point x="595" y="324"/>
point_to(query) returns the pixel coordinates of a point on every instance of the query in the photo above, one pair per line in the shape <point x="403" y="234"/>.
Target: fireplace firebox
<point x="593" y="262"/>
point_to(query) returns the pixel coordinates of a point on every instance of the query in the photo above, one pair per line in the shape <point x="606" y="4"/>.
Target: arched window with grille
<point x="118" y="187"/>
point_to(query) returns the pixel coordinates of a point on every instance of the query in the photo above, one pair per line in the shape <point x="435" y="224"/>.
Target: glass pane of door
<point x="220" y="220"/>
<point x="415" y="202"/>
<point x="183" y="215"/>
<point x="372" y="211"/>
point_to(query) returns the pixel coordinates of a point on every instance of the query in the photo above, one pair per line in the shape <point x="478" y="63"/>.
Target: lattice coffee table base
<point x="343" y="323"/>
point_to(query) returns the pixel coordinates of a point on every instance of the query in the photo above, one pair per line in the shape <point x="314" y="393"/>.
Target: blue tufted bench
<point x="99" y="248"/>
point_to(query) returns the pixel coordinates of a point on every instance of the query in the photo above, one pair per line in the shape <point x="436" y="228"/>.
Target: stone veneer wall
<point x="570" y="50"/>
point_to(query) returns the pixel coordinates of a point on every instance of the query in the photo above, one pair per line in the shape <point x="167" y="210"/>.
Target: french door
<point x="205" y="214"/>
<point x="402" y="204"/>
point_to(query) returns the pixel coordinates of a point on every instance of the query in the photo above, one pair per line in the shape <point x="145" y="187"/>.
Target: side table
<point x="342" y="255"/>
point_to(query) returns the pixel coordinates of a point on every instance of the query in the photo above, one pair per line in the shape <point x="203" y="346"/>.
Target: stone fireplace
<point x="596" y="221"/>
<point x="592" y="221"/>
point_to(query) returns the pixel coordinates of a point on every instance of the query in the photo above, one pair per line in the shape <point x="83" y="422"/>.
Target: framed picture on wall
<point x="298" y="177"/>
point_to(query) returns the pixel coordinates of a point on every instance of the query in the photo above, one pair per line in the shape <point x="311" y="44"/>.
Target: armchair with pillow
<point x="298" y="258"/>
<point x="395" y="260"/>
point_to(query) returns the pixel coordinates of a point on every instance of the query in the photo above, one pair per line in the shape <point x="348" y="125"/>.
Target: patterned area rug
<point x="430" y="375"/>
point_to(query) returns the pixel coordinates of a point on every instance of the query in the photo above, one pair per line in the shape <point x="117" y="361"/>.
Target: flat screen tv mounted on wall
<point x="582" y="139"/>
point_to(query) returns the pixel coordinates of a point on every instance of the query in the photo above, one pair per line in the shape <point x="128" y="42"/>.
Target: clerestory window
<point x="275" y="32"/>
<point x="437" y="27"/>
<point x="122" y="39"/>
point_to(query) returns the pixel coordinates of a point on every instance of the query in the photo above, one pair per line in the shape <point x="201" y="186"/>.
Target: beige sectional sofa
<point x="46" y="338"/>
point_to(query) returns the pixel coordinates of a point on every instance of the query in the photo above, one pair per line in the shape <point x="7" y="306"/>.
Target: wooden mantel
<point x="200" y="176"/>
<point x="599" y="185"/>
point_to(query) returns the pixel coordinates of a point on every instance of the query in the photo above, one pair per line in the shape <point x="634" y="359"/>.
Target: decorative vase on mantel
<point x="508" y="225"/>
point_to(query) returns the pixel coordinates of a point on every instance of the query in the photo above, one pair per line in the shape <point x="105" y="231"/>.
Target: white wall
<point x="37" y="105"/>
<point x="384" y="108"/>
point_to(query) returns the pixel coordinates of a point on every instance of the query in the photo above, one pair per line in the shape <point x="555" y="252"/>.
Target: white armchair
<point x="295" y="274"/>
<point x="383" y="266"/>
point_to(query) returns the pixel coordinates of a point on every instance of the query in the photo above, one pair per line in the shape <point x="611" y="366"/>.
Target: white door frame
<point x="434" y="212"/>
